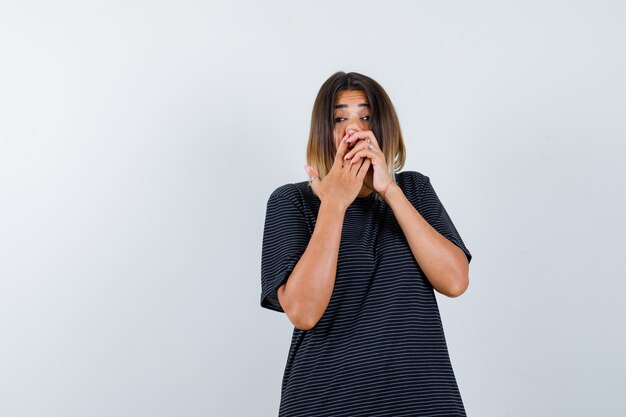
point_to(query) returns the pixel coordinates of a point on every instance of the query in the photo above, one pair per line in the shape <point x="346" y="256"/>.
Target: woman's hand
<point x="366" y="148"/>
<point x="343" y="182"/>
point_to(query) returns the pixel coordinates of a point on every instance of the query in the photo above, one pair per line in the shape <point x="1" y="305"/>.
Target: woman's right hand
<point x="344" y="181"/>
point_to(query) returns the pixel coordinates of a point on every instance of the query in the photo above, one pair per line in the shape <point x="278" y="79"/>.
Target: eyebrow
<point x="343" y="106"/>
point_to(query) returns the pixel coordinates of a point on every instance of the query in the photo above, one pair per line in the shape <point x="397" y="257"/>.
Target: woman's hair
<point x="320" y="151"/>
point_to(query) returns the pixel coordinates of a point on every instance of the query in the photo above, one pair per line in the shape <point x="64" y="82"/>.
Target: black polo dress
<point x="379" y="348"/>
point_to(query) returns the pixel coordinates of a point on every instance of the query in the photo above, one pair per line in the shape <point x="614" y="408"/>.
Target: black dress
<point x="379" y="348"/>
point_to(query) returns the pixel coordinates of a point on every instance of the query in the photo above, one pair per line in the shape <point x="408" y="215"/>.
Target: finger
<point x="365" y="135"/>
<point x="360" y="146"/>
<point x="341" y="152"/>
<point x="352" y="149"/>
<point x="364" y="154"/>
<point x="365" y="166"/>
<point x="314" y="177"/>
<point x="313" y="174"/>
<point x="354" y="168"/>
<point x="372" y="139"/>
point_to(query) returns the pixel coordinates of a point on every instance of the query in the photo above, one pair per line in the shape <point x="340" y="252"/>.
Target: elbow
<point x="299" y="317"/>
<point x="303" y="320"/>
<point x="304" y="325"/>
<point x="303" y="315"/>
<point x="457" y="287"/>
<point x="457" y="290"/>
<point x="459" y="284"/>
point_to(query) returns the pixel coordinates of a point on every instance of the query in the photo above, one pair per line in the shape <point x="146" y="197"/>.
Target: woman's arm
<point x="306" y="293"/>
<point x="444" y="263"/>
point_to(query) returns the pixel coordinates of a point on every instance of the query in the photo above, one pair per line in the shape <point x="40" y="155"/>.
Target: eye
<point x="340" y="119"/>
<point x="366" y="118"/>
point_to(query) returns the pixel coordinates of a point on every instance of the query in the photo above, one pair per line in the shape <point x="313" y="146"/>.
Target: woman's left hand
<point x="365" y="145"/>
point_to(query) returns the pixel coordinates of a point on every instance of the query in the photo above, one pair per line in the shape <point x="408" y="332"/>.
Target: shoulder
<point x="411" y="181"/>
<point x="291" y="190"/>
<point x="299" y="194"/>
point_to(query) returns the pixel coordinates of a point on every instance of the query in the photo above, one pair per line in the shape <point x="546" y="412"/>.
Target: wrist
<point x="334" y="206"/>
<point x="391" y="190"/>
<point x="387" y="187"/>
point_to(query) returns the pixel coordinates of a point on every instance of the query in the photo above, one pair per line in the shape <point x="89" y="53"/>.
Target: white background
<point x="139" y="142"/>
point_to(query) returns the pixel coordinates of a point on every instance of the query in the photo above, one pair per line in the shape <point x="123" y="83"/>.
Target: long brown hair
<point x="320" y="151"/>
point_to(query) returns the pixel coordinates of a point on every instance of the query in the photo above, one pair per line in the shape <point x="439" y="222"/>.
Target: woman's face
<point x="352" y="113"/>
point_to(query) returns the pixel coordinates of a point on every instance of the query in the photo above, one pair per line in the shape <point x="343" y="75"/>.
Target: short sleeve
<point x="435" y="214"/>
<point x="433" y="211"/>
<point x="285" y="237"/>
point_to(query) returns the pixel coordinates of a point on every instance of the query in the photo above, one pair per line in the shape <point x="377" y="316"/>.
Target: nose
<point x="355" y="125"/>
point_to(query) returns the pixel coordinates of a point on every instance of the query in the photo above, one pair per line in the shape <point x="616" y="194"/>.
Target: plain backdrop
<point x="140" y="141"/>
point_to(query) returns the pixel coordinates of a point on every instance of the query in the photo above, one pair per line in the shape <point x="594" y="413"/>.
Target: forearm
<point x="306" y="293"/>
<point x="444" y="264"/>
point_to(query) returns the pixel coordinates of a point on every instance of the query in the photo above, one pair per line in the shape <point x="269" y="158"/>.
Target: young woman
<point x="352" y="257"/>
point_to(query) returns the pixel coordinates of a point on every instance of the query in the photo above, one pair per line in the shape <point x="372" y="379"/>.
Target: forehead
<point x="351" y="96"/>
